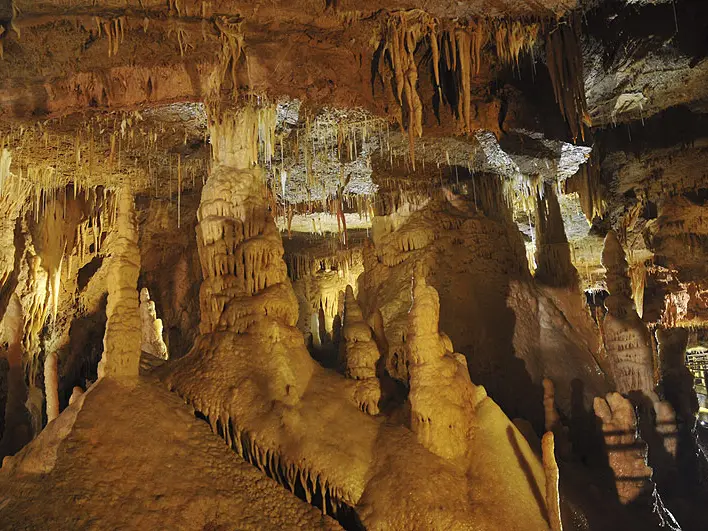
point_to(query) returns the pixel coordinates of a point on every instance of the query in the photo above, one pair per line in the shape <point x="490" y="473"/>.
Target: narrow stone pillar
<point x="627" y="338"/>
<point x="122" y="339"/>
<point x="51" y="386"/>
<point x="360" y="355"/>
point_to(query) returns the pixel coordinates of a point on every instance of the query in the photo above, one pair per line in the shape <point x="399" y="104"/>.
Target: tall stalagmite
<point x="626" y="337"/>
<point x="121" y="342"/>
<point x="239" y="245"/>
<point x="360" y="355"/>
<point x="441" y="394"/>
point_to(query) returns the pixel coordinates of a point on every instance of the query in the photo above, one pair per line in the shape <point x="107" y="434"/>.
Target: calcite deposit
<point x="391" y="266"/>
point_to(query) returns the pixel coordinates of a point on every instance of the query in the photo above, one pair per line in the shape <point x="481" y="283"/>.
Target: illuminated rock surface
<point x="424" y="265"/>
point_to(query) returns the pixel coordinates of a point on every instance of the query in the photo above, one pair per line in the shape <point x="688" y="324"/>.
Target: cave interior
<point x="347" y="264"/>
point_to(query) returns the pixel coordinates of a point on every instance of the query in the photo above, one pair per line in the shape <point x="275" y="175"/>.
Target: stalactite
<point x="564" y="61"/>
<point x="403" y="32"/>
<point x="587" y="184"/>
<point x="638" y="276"/>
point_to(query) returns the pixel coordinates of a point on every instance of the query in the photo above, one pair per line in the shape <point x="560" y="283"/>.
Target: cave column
<point x="122" y="339"/>
<point x="240" y="249"/>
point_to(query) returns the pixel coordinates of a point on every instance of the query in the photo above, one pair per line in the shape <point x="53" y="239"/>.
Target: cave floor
<point x="135" y="457"/>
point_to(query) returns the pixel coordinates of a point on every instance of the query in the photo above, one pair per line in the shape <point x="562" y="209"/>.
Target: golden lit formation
<point x="353" y="265"/>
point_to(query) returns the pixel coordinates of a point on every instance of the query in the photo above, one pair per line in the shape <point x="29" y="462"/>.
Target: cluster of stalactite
<point x="113" y="144"/>
<point x="114" y="29"/>
<point x="298" y="479"/>
<point x="587" y="184"/>
<point x="67" y="229"/>
<point x="457" y="49"/>
<point x="565" y="65"/>
<point x="302" y="265"/>
<point x="553" y="257"/>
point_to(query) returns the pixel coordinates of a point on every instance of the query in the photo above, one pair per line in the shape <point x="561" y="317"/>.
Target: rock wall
<point x="511" y="332"/>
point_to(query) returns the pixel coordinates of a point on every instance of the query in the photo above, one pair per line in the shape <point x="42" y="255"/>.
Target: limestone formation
<point x="360" y="355"/>
<point x="51" y="386"/>
<point x="253" y="379"/>
<point x="151" y="326"/>
<point x="626" y="451"/>
<point x="121" y="343"/>
<point x="441" y="395"/>
<point x="371" y="238"/>
<point x="626" y="337"/>
<point x="551" y="469"/>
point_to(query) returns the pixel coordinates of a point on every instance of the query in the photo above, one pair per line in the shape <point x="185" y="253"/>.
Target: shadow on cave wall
<point x="170" y="267"/>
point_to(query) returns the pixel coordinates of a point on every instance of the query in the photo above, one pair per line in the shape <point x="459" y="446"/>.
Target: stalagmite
<point x="76" y="394"/>
<point x="626" y="452"/>
<point x="17" y="426"/>
<point x="51" y="386"/>
<point x="626" y="337"/>
<point x="360" y="355"/>
<point x="151" y="326"/>
<point x="439" y="414"/>
<point x="121" y="342"/>
<point x="550" y="467"/>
